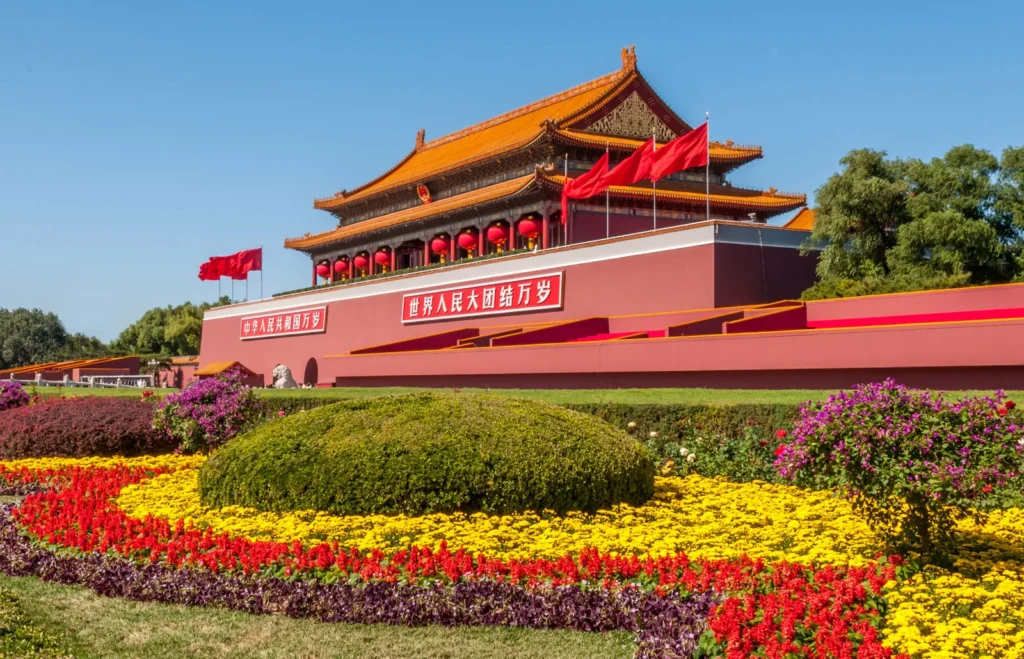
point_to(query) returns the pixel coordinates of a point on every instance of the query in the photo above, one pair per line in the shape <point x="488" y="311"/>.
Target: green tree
<point x="30" y="336"/>
<point x="166" y="330"/>
<point x="892" y="225"/>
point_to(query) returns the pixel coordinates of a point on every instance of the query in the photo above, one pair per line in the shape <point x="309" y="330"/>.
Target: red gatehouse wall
<point x="682" y="279"/>
<point x="645" y="282"/>
<point x="745" y="273"/>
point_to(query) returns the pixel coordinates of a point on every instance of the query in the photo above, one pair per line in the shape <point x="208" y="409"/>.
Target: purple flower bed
<point x="208" y="412"/>
<point x="667" y="626"/>
<point x="12" y="394"/>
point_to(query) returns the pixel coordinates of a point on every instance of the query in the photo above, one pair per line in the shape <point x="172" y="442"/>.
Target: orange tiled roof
<point x="753" y="200"/>
<point x="503" y="133"/>
<point x="804" y="220"/>
<point x="59" y="366"/>
<point x="724" y="152"/>
<point x="216" y="368"/>
<point x="455" y="202"/>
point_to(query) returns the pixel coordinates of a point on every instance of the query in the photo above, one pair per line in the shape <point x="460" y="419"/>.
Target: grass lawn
<point x="560" y="396"/>
<point x="101" y="627"/>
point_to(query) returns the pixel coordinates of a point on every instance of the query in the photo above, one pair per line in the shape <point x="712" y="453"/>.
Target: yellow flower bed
<point x="704" y="517"/>
<point x="151" y="462"/>
<point x="939" y="615"/>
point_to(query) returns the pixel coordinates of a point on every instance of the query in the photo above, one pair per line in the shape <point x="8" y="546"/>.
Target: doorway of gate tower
<point x="312" y="373"/>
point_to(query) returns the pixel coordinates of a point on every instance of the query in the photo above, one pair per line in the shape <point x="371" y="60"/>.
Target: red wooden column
<point x="314" y="273"/>
<point x="351" y="267"/>
<point x="426" y="251"/>
<point x="545" y="230"/>
<point x="330" y="264"/>
<point x="452" y="247"/>
<point x="394" y="259"/>
<point x="511" y="234"/>
<point x="479" y="243"/>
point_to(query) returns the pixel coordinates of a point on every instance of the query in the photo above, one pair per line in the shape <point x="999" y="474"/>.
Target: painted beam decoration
<point x="496" y="298"/>
<point x="309" y="320"/>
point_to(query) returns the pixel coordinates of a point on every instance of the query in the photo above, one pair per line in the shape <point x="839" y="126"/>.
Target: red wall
<point x="741" y="277"/>
<point x="673" y="280"/>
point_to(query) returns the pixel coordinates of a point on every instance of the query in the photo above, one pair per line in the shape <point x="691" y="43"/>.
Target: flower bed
<point x="733" y="571"/>
<point x="706" y="518"/>
<point x="778" y="607"/>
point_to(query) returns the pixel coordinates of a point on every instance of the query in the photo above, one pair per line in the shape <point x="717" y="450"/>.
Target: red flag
<point x="686" y="151"/>
<point x="214" y="268"/>
<point x="585" y="185"/>
<point x="244" y="262"/>
<point x="635" y="168"/>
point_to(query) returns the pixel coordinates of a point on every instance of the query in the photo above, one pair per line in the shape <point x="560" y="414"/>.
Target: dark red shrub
<point x="81" y="427"/>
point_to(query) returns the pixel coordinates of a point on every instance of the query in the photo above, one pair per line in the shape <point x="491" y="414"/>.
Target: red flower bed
<point x="780" y="610"/>
<point x="81" y="427"/>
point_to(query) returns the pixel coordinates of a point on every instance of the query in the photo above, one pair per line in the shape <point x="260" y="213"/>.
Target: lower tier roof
<point x="723" y="199"/>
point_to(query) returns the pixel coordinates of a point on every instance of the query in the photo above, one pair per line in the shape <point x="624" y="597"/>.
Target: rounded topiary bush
<point x="89" y="426"/>
<point x="432" y="452"/>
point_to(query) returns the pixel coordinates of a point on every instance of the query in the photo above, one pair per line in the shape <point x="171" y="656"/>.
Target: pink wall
<point x="951" y="356"/>
<point x="673" y="280"/>
<point x="1004" y="296"/>
<point x="742" y="278"/>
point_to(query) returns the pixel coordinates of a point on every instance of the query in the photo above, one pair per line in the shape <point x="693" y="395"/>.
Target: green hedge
<point x="430" y="452"/>
<point x="737" y="442"/>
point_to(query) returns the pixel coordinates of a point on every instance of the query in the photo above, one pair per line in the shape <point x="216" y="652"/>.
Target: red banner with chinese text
<point x="532" y="293"/>
<point x="283" y="323"/>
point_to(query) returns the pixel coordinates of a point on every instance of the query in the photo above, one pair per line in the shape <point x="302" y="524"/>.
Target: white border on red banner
<point x="496" y="312"/>
<point x="322" y="309"/>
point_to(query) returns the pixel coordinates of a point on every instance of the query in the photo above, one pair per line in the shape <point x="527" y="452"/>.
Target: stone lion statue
<point x="283" y="378"/>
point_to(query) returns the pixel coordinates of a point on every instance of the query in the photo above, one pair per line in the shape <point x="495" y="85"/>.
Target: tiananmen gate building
<point x="456" y="267"/>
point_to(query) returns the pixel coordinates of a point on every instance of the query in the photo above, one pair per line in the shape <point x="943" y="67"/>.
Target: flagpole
<point x="232" y="289"/>
<point x="218" y="289"/>
<point x="707" y="169"/>
<point x="607" y="208"/>
<point x="565" y="220"/>
<point x="261" y="271"/>
<point x="654" y="184"/>
<point x="247" y="286"/>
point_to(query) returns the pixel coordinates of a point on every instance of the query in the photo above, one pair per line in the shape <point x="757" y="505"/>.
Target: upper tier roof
<point x="561" y="114"/>
<point x="736" y="199"/>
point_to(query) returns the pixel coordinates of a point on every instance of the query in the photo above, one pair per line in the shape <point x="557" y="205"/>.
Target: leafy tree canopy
<point x="893" y="225"/>
<point x="166" y="330"/>
<point x="31" y="336"/>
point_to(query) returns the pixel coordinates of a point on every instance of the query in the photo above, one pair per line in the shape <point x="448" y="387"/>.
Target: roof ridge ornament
<point x="629" y="58"/>
<point x="421" y="138"/>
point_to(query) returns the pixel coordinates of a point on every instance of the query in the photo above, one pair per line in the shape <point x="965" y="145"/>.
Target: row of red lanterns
<point x="497" y="234"/>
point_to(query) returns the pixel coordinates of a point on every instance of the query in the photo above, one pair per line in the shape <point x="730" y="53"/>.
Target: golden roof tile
<point x="436" y="207"/>
<point x="498" y="135"/>
<point x="720" y="151"/>
<point x="804" y="220"/>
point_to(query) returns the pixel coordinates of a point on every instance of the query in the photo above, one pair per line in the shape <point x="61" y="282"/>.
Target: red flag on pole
<point x="236" y="266"/>
<point x="214" y="268"/>
<point x="586" y="185"/>
<point x="686" y="151"/>
<point x="635" y="168"/>
<point x="245" y="262"/>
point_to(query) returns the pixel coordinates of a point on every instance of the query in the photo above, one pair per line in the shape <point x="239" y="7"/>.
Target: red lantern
<point x="529" y="228"/>
<point x="361" y="262"/>
<point x="439" y="245"/>
<point x="382" y="258"/>
<point x="467" y="241"/>
<point x="341" y="266"/>
<point x="323" y="270"/>
<point x="498" y="235"/>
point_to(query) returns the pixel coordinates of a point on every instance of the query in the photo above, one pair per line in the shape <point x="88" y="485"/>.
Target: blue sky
<point x="136" y="139"/>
